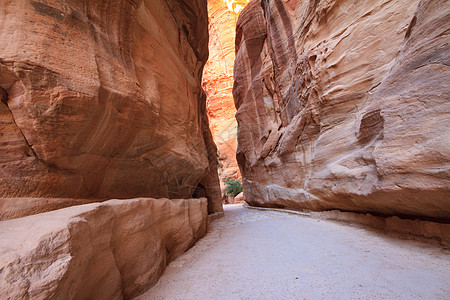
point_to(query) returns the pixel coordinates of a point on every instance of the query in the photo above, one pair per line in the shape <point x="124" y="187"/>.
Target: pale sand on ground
<point x="253" y="254"/>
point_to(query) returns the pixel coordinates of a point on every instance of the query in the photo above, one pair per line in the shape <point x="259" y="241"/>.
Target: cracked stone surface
<point x="273" y="255"/>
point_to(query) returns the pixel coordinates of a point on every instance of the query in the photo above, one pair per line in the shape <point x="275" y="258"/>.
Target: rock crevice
<point x="218" y="82"/>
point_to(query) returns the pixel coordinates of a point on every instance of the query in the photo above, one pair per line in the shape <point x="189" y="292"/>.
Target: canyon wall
<point x="111" y="250"/>
<point x="345" y="105"/>
<point x="103" y="99"/>
<point x="218" y="81"/>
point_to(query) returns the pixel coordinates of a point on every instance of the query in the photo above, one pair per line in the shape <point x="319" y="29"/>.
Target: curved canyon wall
<point x="103" y="99"/>
<point x="344" y="105"/>
<point x="218" y="81"/>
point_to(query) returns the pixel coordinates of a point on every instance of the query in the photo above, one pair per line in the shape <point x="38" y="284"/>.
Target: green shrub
<point x="232" y="187"/>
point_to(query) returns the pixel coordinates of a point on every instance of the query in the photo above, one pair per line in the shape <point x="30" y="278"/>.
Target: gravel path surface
<point x="253" y="254"/>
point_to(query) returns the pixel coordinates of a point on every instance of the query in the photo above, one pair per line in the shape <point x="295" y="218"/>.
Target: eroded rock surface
<point x="110" y="250"/>
<point x="344" y="105"/>
<point x="218" y="81"/>
<point x="102" y="99"/>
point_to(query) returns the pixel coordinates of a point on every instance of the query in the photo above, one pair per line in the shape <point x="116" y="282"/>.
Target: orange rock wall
<point x="218" y="81"/>
<point x="345" y="105"/>
<point x="103" y="99"/>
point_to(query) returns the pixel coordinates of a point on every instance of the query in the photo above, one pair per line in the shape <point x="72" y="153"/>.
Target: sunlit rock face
<point x="103" y="99"/>
<point x="345" y="105"/>
<point x="218" y="81"/>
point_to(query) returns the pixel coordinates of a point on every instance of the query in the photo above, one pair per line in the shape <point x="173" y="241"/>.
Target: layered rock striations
<point x="218" y="81"/>
<point x="103" y="99"/>
<point x="99" y="100"/>
<point x="344" y="105"/>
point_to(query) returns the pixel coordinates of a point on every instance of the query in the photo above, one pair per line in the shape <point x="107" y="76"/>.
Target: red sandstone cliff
<point x="103" y="99"/>
<point x="218" y="81"/>
<point x="345" y="105"/>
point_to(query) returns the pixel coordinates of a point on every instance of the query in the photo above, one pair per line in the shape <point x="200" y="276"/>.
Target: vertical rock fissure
<point x="218" y="82"/>
<point x="5" y="98"/>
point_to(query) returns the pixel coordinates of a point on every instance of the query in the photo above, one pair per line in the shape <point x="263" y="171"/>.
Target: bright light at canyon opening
<point x="236" y="6"/>
<point x="218" y="81"/>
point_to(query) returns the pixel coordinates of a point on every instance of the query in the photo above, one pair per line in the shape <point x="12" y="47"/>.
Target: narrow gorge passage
<point x="126" y="125"/>
<point x="253" y="254"/>
<point x="217" y="81"/>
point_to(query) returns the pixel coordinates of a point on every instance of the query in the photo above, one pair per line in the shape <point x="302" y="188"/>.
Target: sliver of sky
<point x="234" y="6"/>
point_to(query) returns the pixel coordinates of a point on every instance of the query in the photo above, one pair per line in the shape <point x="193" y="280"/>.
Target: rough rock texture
<point x="240" y="198"/>
<point x="218" y="81"/>
<point x="110" y="250"/>
<point x="13" y="208"/>
<point x="344" y="105"/>
<point x="102" y="99"/>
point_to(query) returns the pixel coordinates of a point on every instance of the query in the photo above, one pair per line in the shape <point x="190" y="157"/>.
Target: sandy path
<point x="253" y="254"/>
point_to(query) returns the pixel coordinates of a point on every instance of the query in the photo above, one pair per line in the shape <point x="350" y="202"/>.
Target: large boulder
<point x="111" y="250"/>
